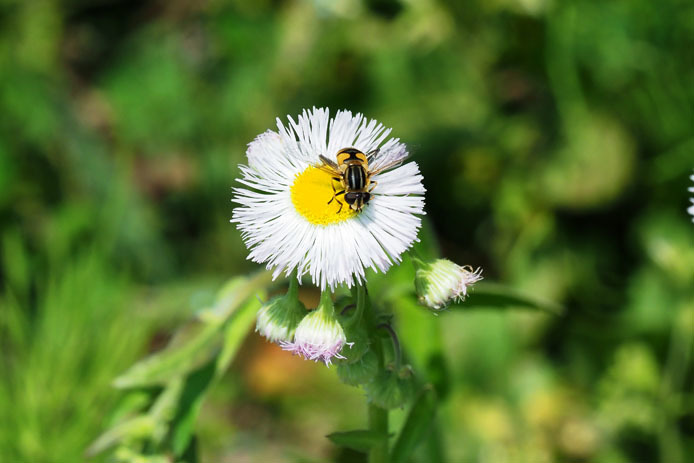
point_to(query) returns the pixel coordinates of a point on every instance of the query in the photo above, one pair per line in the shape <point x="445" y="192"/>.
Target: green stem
<point x="378" y="422"/>
<point x="361" y="303"/>
<point x="396" y="344"/>
<point x="434" y="444"/>
<point x="326" y="303"/>
<point x="416" y="259"/>
<point x="378" y="417"/>
<point x="293" y="291"/>
<point x="359" y="296"/>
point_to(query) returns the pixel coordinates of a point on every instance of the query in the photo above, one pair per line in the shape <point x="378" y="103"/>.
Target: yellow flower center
<point x="311" y="191"/>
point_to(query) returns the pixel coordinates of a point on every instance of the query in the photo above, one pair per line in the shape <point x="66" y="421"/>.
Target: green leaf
<point x="417" y="425"/>
<point x="174" y="362"/>
<point x="361" y="440"/>
<point x="139" y="427"/>
<point x="132" y="403"/>
<point x="190" y="402"/>
<point x="125" y="454"/>
<point x="236" y="332"/>
<point x="237" y="291"/>
<point x="199" y="382"/>
<point x="164" y="410"/>
<point x="494" y="295"/>
<point x="195" y="344"/>
<point x="190" y="455"/>
<point x="189" y="366"/>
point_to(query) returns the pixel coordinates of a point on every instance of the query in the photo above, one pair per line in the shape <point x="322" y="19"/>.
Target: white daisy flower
<point x="291" y="218"/>
<point x="691" y="208"/>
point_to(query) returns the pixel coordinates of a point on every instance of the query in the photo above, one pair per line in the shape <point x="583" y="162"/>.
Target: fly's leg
<point x="334" y="198"/>
<point x="336" y="194"/>
<point x="373" y="185"/>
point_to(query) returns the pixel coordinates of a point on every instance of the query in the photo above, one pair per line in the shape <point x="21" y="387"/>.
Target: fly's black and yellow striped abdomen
<point x="355" y="178"/>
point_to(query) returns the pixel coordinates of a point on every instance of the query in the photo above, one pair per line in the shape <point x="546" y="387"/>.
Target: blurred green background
<point x="555" y="139"/>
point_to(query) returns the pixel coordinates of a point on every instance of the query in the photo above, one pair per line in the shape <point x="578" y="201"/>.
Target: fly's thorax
<point x="351" y="156"/>
<point x="354" y="172"/>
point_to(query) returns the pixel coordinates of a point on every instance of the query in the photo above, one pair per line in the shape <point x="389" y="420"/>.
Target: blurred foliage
<point x="555" y="139"/>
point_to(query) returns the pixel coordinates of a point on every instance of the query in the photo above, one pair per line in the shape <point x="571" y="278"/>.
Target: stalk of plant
<point x="328" y="198"/>
<point x="322" y="199"/>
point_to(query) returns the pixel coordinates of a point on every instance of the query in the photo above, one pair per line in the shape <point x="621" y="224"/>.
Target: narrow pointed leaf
<point x="494" y="295"/>
<point x="237" y="330"/>
<point x="195" y="345"/>
<point x="199" y="382"/>
<point x="417" y="425"/>
<point x="173" y="362"/>
<point x="139" y="427"/>
<point x="190" y="403"/>
<point x="361" y="440"/>
<point x="164" y="409"/>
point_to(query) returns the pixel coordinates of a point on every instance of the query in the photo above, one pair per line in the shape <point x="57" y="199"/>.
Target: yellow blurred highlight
<point x="489" y="419"/>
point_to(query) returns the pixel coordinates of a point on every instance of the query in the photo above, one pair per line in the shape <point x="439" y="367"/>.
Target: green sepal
<point x="358" y="336"/>
<point x="360" y="372"/>
<point x="391" y="389"/>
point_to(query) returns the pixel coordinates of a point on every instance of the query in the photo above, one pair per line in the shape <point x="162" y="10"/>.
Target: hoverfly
<point x="352" y="171"/>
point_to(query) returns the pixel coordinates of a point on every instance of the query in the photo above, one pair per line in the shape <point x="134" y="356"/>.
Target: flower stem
<point x="378" y="423"/>
<point x="293" y="290"/>
<point x="396" y="343"/>
<point x="378" y="417"/>
<point x="359" y="297"/>
<point x="361" y="302"/>
<point x="326" y="303"/>
<point x="416" y="259"/>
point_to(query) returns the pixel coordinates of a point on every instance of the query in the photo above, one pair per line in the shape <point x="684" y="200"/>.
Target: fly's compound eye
<point x="350" y="198"/>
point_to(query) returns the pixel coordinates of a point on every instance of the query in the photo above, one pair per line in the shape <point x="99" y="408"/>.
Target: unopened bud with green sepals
<point x="279" y="317"/>
<point x="440" y="282"/>
<point x="319" y="335"/>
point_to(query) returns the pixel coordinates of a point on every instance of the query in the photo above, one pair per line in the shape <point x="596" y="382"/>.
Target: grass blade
<point x="493" y="295"/>
<point x="361" y="440"/>
<point x="417" y="425"/>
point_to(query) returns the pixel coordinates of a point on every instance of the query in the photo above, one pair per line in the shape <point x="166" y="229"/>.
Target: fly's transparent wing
<point x="371" y="155"/>
<point x="387" y="166"/>
<point x="328" y="166"/>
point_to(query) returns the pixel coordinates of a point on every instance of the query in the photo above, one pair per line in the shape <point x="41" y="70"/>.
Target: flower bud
<point x="440" y="282"/>
<point x="319" y="335"/>
<point x="279" y="317"/>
